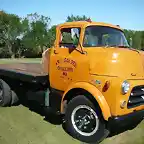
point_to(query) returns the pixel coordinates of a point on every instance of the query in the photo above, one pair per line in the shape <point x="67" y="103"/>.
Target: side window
<point x="69" y="37"/>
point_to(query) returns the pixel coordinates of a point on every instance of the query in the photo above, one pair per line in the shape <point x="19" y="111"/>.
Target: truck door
<point x="67" y="63"/>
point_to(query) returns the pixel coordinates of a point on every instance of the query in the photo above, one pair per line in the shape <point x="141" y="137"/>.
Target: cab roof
<point x="87" y="23"/>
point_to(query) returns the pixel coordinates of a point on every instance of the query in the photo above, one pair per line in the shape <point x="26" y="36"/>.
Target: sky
<point x="128" y="14"/>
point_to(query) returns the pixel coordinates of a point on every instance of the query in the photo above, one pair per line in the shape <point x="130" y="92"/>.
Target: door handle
<point x="55" y="51"/>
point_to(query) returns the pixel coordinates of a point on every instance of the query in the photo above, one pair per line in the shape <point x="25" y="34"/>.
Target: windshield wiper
<point x="119" y="46"/>
<point x="123" y="46"/>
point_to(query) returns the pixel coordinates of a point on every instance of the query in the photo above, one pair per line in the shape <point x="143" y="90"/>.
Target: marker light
<point x="106" y="86"/>
<point x="89" y="20"/>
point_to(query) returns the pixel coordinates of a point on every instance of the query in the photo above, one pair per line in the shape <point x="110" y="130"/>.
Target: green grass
<point x="19" y="125"/>
<point x="26" y="60"/>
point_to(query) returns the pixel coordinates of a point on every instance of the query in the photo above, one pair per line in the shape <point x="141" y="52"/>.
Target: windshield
<point x="103" y="36"/>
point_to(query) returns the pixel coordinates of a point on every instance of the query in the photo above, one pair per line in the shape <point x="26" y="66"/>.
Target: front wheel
<point x="84" y="121"/>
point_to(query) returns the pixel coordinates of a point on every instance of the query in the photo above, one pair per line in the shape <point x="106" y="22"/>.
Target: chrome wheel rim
<point x="85" y="120"/>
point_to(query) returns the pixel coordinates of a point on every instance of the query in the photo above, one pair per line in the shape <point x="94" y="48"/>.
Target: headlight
<point x="125" y="87"/>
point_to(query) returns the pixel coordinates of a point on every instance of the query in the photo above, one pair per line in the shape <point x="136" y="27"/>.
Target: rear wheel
<point x="84" y="121"/>
<point x="5" y="94"/>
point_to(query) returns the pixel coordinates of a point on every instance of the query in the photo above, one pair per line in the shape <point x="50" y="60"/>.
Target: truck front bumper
<point x="125" y="122"/>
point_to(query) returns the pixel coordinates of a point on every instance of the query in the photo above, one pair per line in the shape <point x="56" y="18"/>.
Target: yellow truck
<point x="91" y="77"/>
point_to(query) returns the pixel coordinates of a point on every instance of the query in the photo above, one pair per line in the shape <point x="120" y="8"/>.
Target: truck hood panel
<point x="120" y="62"/>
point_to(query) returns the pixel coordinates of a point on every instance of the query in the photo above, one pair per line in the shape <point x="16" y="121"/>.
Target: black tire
<point x="5" y="94"/>
<point x="15" y="99"/>
<point x="98" y="135"/>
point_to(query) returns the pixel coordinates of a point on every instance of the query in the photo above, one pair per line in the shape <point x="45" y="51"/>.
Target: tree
<point x="10" y="27"/>
<point x="142" y="40"/>
<point x="51" y="36"/>
<point x="77" y="18"/>
<point x="35" y="36"/>
<point x="136" y="38"/>
<point x="31" y="35"/>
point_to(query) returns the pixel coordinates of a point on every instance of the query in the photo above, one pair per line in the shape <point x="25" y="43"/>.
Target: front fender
<point x="95" y="93"/>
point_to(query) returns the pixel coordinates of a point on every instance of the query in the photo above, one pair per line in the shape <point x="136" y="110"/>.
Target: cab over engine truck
<point x="91" y="77"/>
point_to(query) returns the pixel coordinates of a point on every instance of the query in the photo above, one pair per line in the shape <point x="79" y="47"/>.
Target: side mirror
<point x="75" y="41"/>
<point x="75" y="36"/>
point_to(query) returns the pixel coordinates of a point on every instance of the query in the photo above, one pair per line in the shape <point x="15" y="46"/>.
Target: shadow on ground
<point x="46" y="113"/>
<point x="37" y="108"/>
<point x="122" y="130"/>
<point x="116" y="130"/>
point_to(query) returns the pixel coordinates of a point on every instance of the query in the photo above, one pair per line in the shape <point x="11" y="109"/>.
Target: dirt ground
<point x="30" y="68"/>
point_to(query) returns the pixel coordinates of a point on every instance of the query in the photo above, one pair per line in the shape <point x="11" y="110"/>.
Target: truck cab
<point x="100" y="78"/>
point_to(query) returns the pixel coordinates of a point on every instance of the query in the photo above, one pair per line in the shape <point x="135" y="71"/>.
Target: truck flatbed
<point x="28" y="72"/>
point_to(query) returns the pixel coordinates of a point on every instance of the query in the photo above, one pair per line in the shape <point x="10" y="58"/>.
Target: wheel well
<point x="79" y="91"/>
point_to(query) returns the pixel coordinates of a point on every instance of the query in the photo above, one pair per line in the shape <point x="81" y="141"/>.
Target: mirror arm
<point x="82" y="52"/>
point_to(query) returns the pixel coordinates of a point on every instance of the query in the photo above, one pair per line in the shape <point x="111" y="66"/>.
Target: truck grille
<point x="136" y="97"/>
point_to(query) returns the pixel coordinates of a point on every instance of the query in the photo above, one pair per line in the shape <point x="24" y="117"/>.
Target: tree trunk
<point x="13" y="56"/>
<point x="10" y="50"/>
